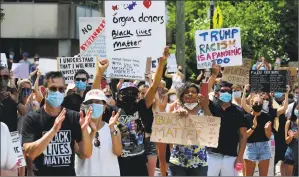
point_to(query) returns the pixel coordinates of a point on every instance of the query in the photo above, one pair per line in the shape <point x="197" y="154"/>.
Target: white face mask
<point x="190" y="106"/>
<point x="237" y="94"/>
<point x="266" y="105"/>
<point x="172" y="97"/>
<point x="36" y="62"/>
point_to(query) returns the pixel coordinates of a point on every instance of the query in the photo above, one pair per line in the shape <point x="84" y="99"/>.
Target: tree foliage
<point x="1" y="15"/>
<point x="268" y="28"/>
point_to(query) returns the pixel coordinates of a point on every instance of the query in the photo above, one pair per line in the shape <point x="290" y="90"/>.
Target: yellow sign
<point x="217" y="18"/>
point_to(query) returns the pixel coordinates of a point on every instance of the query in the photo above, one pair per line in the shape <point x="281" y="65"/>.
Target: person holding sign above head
<point x="189" y="160"/>
<point x="49" y="135"/>
<point x="132" y="161"/>
<point x="177" y="78"/>
<point x="106" y="140"/>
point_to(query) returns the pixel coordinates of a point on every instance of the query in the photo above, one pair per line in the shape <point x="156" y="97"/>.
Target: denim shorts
<point x="291" y="155"/>
<point x="149" y="147"/>
<point x="257" y="151"/>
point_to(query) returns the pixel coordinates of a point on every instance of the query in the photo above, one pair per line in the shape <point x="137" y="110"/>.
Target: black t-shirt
<point x="58" y="158"/>
<point x="108" y="112"/>
<point x="232" y="119"/>
<point x="258" y="134"/>
<point x="148" y="120"/>
<point x="8" y="113"/>
<point x="131" y="128"/>
<point x="73" y="102"/>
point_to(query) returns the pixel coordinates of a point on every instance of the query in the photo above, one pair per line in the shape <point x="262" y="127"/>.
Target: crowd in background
<point x="101" y="129"/>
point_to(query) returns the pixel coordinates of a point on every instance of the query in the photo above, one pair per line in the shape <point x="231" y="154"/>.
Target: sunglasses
<point x="97" y="142"/>
<point x="223" y="91"/>
<point x="5" y="77"/>
<point x="54" y="89"/>
<point x="81" y="79"/>
<point x="108" y="96"/>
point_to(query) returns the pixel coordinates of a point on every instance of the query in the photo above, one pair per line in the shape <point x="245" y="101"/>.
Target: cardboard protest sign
<point x="16" y="142"/>
<point x="237" y="74"/>
<point x="92" y="36"/>
<point x="3" y="60"/>
<point x="20" y="70"/>
<point x="222" y="46"/>
<point x="135" y="28"/>
<point x="193" y="130"/>
<point x="172" y="64"/>
<point x="70" y="65"/>
<point x="268" y="81"/>
<point x="292" y="74"/>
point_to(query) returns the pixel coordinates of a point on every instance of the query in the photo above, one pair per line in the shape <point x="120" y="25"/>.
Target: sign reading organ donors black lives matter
<point x="268" y="81"/>
<point x="70" y="65"/>
<point x="219" y="46"/>
<point x="134" y="30"/>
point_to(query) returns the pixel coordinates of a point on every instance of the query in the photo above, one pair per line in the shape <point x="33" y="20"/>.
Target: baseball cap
<point x="25" y="54"/>
<point x="128" y="85"/>
<point x="95" y="94"/>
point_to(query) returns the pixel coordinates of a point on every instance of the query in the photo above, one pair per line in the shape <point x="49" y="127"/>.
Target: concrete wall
<point x="46" y="20"/>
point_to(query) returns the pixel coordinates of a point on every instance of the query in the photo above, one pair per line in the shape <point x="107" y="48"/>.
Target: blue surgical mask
<point x="225" y="97"/>
<point x="55" y="99"/>
<point x="278" y="95"/>
<point x="81" y="86"/>
<point x="97" y="110"/>
<point x="296" y="112"/>
<point x="11" y="56"/>
<point x="237" y="94"/>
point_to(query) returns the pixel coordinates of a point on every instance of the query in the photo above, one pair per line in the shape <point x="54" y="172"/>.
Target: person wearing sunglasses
<point x="49" y="135"/>
<point x="33" y="71"/>
<point x="226" y="158"/>
<point x="10" y="104"/>
<point x="109" y="95"/>
<point x="106" y="139"/>
<point x="74" y="101"/>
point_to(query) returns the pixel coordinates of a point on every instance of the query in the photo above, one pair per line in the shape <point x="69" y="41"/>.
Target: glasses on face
<point x="266" y="99"/>
<point x="81" y="79"/>
<point x="54" y="89"/>
<point x="97" y="142"/>
<point x="5" y="77"/>
<point x="108" y="96"/>
<point x="225" y="90"/>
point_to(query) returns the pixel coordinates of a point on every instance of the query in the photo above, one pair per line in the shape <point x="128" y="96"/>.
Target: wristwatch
<point x="114" y="133"/>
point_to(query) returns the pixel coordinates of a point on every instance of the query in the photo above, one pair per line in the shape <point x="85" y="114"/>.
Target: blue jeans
<point x="257" y="151"/>
<point x="176" y="170"/>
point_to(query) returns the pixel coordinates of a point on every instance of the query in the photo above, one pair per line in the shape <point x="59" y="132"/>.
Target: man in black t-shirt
<point x="49" y="135"/>
<point x="223" y="159"/>
<point x="74" y="101"/>
<point x="132" y="162"/>
<point x="9" y="102"/>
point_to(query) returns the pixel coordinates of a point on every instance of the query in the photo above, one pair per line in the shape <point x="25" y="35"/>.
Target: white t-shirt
<point x="102" y="161"/>
<point x="288" y="112"/>
<point x="8" y="156"/>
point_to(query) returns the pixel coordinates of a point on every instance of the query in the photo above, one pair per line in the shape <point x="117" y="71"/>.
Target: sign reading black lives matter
<point x="135" y="30"/>
<point x="268" y="81"/>
<point x="70" y="65"/>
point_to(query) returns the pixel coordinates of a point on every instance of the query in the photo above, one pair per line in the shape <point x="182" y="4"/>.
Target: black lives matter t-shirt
<point x="58" y="158"/>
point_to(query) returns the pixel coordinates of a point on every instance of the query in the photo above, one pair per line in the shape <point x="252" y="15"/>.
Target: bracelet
<point x="252" y="128"/>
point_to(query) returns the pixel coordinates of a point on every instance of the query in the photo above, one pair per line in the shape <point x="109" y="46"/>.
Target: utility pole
<point x="180" y="33"/>
<point x="212" y="4"/>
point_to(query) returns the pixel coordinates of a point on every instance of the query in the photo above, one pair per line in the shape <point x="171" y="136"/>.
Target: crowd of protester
<point x="94" y="130"/>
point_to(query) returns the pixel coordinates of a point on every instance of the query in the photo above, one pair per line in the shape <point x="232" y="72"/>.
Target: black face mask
<point x="126" y="102"/>
<point x="257" y="108"/>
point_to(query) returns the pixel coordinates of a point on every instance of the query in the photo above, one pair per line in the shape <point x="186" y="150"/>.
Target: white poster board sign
<point x="47" y="65"/>
<point x="222" y="46"/>
<point x="3" y="60"/>
<point x="135" y="30"/>
<point x="172" y="64"/>
<point x="16" y="142"/>
<point x="20" y="70"/>
<point x="155" y="62"/>
<point x="70" y="65"/>
<point x="92" y="36"/>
